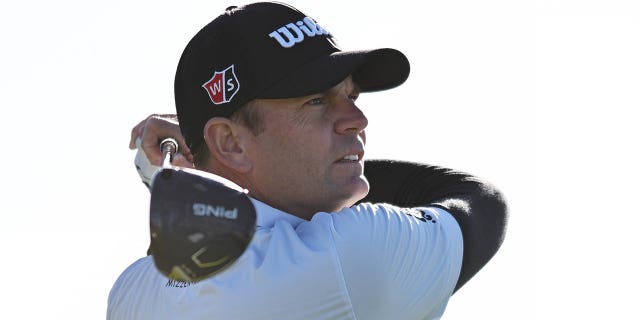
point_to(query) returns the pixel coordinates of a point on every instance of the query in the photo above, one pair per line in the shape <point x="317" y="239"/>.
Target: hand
<point x="155" y="128"/>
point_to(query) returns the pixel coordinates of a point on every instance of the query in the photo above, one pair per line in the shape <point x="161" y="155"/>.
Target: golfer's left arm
<point x="477" y="206"/>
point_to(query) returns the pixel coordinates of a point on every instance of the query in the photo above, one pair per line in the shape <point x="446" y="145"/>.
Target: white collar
<point x="267" y="215"/>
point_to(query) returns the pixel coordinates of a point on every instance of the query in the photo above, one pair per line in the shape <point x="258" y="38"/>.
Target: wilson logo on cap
<point x="222" y="86"/>
<point x="301" y="28"/>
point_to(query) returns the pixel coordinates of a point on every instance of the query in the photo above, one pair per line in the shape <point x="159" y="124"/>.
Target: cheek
<point x="306" y="143"/>
<point x="280" y="153"/>
<point x="300" y="163"/>
<point x="297" y="146"/>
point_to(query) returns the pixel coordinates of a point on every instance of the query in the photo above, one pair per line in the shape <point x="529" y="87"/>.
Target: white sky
<point x="536" y="96"/>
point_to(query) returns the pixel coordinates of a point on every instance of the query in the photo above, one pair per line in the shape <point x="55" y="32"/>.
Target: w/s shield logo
<point x="222" y="86"/>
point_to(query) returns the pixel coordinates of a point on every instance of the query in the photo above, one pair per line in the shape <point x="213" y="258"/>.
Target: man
<point x="265" y="98"/>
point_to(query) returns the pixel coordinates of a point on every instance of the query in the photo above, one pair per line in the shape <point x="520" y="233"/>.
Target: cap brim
<point x="372" y="70"/>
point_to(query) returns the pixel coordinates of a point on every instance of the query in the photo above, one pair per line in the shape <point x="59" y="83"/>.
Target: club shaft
<point x="169" y="147"/>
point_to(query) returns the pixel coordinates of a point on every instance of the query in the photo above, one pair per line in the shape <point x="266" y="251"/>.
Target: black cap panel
<point x="268" y="50"/>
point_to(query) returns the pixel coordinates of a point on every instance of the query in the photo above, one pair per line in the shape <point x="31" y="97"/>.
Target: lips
<point x="352" y="156"/>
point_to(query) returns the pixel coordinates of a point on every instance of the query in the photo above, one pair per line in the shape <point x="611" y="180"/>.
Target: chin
<point x="358" y="191"/>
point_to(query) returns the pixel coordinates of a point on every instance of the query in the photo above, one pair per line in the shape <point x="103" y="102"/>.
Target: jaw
<point x="350" y="190"/>
<point x="332" y="197"/>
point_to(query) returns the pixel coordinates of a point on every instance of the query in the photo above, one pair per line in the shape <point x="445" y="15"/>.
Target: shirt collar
<point x="268" y="215"/>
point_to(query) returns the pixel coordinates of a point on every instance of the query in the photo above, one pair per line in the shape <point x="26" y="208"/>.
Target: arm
<point x="477" y="206"/>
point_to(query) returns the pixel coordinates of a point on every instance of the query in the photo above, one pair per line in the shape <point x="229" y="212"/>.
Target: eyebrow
<point x="352" y="86"/>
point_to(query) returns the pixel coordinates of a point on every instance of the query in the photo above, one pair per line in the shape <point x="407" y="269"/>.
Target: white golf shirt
<point x="370" y="261"/>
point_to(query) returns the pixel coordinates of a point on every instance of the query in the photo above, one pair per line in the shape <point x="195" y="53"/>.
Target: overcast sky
<point x="538" y="97"/>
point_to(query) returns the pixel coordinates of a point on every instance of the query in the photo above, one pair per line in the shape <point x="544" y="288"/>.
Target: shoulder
<point x="410" y="255"/>
<point x="139" y="268"/>
<point x="370" y="220"/>
<point x="125" y="292"/>
<point x="131" y="274"/>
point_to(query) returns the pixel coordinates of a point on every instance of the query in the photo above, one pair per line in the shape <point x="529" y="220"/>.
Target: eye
<point x="354" y="97"/>
<point x="315" y="101"/>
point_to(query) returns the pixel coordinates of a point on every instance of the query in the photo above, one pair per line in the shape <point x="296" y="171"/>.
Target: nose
<point x="351" y="120"/>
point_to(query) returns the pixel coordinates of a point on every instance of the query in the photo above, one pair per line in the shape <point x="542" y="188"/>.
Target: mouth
<point x="353" y="157"/>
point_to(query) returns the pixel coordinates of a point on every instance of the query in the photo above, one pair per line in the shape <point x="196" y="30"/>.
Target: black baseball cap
<point x="269" y="50"/>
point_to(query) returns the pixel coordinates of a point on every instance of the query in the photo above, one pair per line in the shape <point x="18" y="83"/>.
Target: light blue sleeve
<point x="397" y="263"/>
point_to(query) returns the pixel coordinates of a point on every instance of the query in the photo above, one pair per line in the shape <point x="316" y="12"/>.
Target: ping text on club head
<point x="207" y="210"/>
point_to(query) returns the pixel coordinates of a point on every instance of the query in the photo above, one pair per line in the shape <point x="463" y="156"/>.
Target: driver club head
<point x="200" y="223"/>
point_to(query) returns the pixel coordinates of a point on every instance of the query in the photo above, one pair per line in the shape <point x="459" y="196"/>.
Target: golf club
<point x="200" y="223"/>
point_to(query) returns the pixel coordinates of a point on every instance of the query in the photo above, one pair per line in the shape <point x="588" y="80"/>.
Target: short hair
<point x="248" y="115"/>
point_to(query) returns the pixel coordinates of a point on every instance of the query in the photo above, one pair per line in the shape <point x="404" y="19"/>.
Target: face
<point x="309" y="157"/>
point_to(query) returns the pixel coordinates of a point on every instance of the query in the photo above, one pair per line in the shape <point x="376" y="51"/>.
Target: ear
<point x="223" y="138"/>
